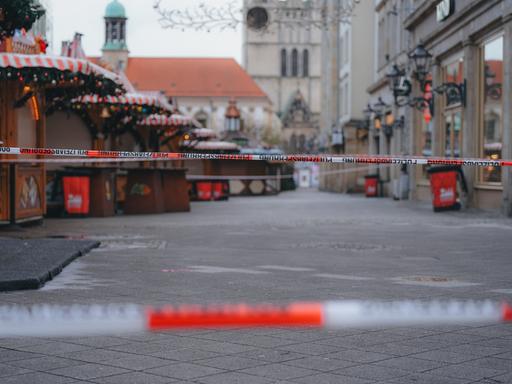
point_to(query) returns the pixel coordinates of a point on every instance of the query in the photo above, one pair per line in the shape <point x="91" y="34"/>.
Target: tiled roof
<point x="192" y="77"/>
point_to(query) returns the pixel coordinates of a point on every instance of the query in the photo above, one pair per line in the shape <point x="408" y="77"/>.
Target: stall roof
<point x="165" y="120"/>
<point x="128" y="98"/>
<point x="20" y="61"/>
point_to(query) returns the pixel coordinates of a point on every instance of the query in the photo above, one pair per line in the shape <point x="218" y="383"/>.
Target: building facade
<point x="285" y="60"/>
<point x="441" y="89"/>
<point x="349" y="49"/>
<point x="471" y="45"/>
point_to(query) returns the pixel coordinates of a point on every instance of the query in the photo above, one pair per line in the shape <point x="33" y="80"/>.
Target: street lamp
<point x="422" y="62"/>
<point x="399" y="85"/>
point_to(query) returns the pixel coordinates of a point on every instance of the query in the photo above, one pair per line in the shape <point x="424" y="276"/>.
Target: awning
<point x="165" y="120"/>
<point x="126" y="99"/>
<point x="20" y="61"/>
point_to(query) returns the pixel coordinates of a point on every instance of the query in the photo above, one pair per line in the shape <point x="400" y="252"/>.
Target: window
<point x="295" y="63"/>
<point x="453" y="72"/>
<point x="284" y="66"/>
<point x="453" y="133"/>
<point x="305" y="63"/>
<point x="491" y="134"/>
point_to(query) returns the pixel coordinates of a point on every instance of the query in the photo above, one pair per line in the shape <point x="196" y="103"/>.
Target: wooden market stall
<point x="110" y="123"/>
<point x="164" y="133"/>
<point x="28" y="84"/>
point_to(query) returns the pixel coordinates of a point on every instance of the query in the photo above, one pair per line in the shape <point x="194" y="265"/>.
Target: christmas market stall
<point x="106" y="123"/>
<point x="28" y="84"/>
<point x="204" y="179"/>
<point x="163" y="133"/>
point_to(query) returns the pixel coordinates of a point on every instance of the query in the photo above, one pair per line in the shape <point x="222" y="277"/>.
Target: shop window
<point x="453" y="133"/>
<point x="491" y="135"/>
<point x="453" y="73"/>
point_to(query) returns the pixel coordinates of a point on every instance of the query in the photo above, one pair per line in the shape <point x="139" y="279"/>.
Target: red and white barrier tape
<point x="59" y="321"/>
<point x="347" y="159"/>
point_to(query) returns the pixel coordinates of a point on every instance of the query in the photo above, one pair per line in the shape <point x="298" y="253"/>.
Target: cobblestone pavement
<point x="303" y="245"/>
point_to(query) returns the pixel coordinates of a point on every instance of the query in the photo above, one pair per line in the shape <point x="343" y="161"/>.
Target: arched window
<point x="295" y="63"/>
<point x="305" y="63"/>
<point x="284" y="66"/>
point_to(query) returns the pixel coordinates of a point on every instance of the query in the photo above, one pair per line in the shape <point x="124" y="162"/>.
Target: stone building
<point x="449" y="96"/>
<point x="348" y="48"/>
<point x="471" y="45"/>
<point x="199" y="87"/>
<point x="285" y="60"/>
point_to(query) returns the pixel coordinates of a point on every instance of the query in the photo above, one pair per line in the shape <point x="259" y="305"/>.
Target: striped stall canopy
<point x="165" y="120"/>
<point x="20" y="61"/>
<point x="126" y="99"/>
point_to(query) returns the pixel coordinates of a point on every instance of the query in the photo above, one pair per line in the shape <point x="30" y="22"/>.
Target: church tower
<point x="115" y="51"/>
<point x="283" y="54"/>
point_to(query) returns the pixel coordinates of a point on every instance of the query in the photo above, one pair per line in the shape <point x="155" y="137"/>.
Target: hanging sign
<point x="445" y="9"/>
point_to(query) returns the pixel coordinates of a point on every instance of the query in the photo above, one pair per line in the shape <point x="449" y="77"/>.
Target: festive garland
<point x="18" y="14"/>
<point x="59" y="83"/>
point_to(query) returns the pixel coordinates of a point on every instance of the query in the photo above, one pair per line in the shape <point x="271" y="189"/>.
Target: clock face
<point x="257" y="18"/>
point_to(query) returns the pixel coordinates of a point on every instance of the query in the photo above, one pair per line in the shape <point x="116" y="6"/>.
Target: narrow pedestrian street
<point x="303" y="245"/>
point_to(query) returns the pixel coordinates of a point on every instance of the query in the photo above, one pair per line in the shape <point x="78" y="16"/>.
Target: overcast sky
<point x="145" y="35"/>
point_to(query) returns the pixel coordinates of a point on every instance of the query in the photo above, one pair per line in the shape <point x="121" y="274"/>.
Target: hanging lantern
<point x="105" y="114"/>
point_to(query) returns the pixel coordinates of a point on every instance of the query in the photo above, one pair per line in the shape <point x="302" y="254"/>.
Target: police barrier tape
<point x="347" y="159"/>
<point x="60" y="321"/>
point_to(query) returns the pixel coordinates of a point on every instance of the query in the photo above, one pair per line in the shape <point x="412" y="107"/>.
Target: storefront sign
<point x="445" y="9"/>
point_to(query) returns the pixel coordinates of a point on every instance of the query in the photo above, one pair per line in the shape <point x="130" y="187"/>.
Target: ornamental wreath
<point x="18" y="14"/>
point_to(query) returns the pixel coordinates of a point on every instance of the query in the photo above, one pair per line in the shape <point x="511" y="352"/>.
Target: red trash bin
<point x="204" y="191"/>
<point x="218" y="190"/>
<point x="443" y="184"/>
<point x="76" y="194"/>
<point x="371" y="185"/>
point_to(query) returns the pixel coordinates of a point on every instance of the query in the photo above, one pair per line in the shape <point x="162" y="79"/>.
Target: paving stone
<point x="234" y="378"/>
<point x="358" y="356"/>
<point x="37" y="378"/>
<point x="426" y="378"/>
<point x="134" y="378"/>
<point x="320" y="363"/>
<point x="7" y="355"/>
<point x="184" y="371"/>
<point x="372" y="372"/>
<point x="263" y="341"/>
<point x="271" y="356"/>
<point x="99" y="342"/>
<point x="327" y="378"/>
<point x="45" y="363"/>
<point x="55" y="348"/>
<point x="467" y="371"/>
<point x="312" y="349"/>
<point x="9" y="370"/>
<point x="278" y="371"/>
<point x="444" y="356"/>
<point x="88" y="371"/>
<point x="186" y="354"/>
<point x="96" y="355"/>
<point x="230" y="362"/>
<point x="411" y="364"/>
<point x="138" y="363"/>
